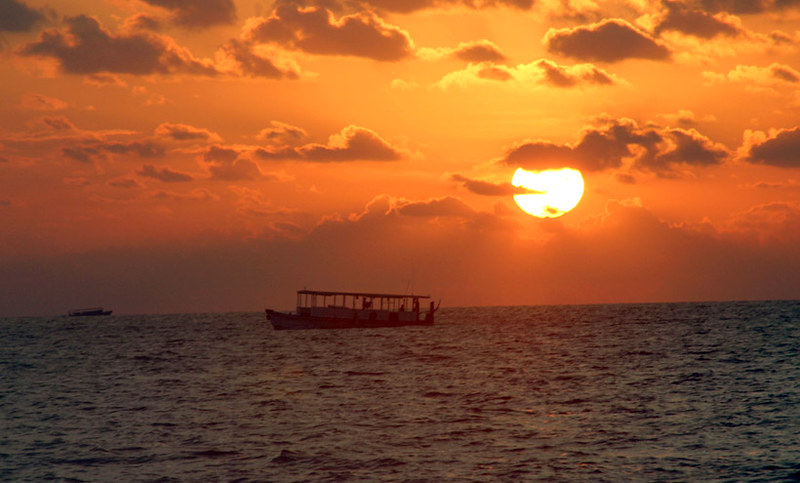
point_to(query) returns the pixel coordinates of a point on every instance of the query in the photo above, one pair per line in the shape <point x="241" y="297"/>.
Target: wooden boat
<point x="88" y="312"/>
<point x="343" y="310"/>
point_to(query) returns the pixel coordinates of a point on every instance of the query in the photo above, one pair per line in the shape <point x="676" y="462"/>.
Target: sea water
<point x="651" y="392"/>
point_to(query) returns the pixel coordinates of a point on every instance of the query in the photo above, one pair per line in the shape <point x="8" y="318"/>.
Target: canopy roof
<point x="363" y="294"/>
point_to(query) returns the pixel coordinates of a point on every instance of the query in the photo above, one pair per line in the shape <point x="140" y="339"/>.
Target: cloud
<point x="743" y="6"/>
<point x="224" y="164"/>
<point x="475" y="51"/>
<point x="570" y="76"/>
<point x="143" y="149"/>
<point x="780" y="148"/>
<point x="316" y="31"/>
<point x="686" y="118"/>
<point x="83" y="154"/>
<point x="18" y="16"/>
<point x="164" y="174"/>
<point x="775" y="220"/>
<point x="280" y="133"/>
<point x="789" y="184"/>
<point x="199" y="194"/>
<point x="542" y="71"/>
<point x="185" y="132"/>
<point x="58" y="123"/>
<point x="620" y="142"/>
<point x="88" y="48"/>
<point x="353" y="143"/>
<point x="758" y="78"/>
<point x="220" y="154"/>
<point x="239" y="170"/>
<point x="611" y="40"/>
<point x="409" y="6"/>
<point x="678" y="17"/>
<point x="142" y="21"/>
<point x="40" y="102"/>
<point x="96" y="150"/>
<point x="198" y="14"/>
<point x="124" y="183"/>
<point x="102" y="79"/>
<point x="478" y="51"/>
<point x="626" y="254"/>
<point x="445" y="206"/>
<point x="486" y="188"/>
<point x="245" y="59"/>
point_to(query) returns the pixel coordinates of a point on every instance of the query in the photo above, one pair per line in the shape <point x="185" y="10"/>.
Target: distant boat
<point x="89" y="311"/>
<point x="344" y="310"/>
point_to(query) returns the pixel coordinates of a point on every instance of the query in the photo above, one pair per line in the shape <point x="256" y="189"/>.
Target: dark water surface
<point x="655" y="392"/>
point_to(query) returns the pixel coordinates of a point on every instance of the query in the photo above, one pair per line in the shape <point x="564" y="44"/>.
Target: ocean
<point x="633" y="392"/>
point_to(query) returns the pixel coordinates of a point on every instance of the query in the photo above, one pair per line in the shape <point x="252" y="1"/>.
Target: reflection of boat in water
<point x="89" y="311"/>
<point x="342" y="310"/>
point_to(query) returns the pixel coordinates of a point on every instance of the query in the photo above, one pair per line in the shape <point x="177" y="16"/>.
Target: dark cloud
<point x="316" y="31"/>
<point x="743" y="6"/>
<point x="219" y="154"/>
<point x="352" y="144"/>
<point x="409" y="6"/>
<point x="607" y="41"/>
<point x="493" y="72"/>
<point x="653" y="149"/>
<point x="164" y="174"/>
<point x="102" y="79"/>
<point x="250" y="63"/>
<point x="143" y="149"/>
<point x="781" y="38"/>
<point x="125" y="183"/>
<point x="88" y="48"/>
<point x="695" y="22"/>
<point x="626" y="254"/>
<point x="446" y="206"/>
<point x="781" y="149"/>
<point x="684" y="146"/>
<point x="478" y="51"/>
<point x="142" y="21"/>
<point x="784" y="73"/>
<point x="564" y="76"/>
<point x="89" y="152"/>
<point x="486" y="188"/>
<point x="58" y="123"/>
<point x="239" y="170"/>
<point x="16" y="16"/>
<point x="281" y="133"/>
<point x="83" y="154"/>
<point x="198" y="13"/>
<point x="40" y="102"/>
<point x="226" y="165"/>
<point x="194" y="195"/>
<point x="184" y="132"/>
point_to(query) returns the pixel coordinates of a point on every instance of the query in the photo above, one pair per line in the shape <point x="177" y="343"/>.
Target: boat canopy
<point x="382" y="301"/>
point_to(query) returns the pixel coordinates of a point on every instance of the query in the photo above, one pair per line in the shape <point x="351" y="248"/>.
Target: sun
<point x="553" y="192"/>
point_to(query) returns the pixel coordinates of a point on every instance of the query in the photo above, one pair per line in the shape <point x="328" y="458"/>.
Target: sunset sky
<point x="183" y="156"/>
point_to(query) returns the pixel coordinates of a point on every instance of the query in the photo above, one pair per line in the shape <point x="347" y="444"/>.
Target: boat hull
<point x="89" y="313"/>
<point x="287" y="321"/>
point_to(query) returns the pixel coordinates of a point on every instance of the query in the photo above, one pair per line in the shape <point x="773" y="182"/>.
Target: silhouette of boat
<point x="344" y="310"/>
<point x="89" y="311"/>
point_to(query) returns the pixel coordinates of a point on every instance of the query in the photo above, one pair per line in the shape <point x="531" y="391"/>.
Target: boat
<point x="89" y="311"/>
<point x="343" y="310"/>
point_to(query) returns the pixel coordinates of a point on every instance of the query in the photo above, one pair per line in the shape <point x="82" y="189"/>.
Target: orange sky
<point x="160" y="156"/>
